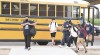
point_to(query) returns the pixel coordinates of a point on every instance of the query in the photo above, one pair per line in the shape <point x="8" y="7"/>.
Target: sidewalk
<point x="17" y="47"/>
<point x="40" y="50"/>
<point x="97" y="37"/>
<point x="92" y="50"/>
<point x="48" y="50"/>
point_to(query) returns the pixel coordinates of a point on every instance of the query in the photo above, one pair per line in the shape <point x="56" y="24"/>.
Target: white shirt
<point x="73" y="33"/>
<point x="26" y="26"/>
<point x="52" y="27"/>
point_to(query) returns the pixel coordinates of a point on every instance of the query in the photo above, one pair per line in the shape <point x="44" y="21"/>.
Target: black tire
<point x="42" y="43"/>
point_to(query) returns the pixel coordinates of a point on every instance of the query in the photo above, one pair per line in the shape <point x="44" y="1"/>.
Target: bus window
<point x="76" y="11"/>
<point x="68" y="11"/>
<point x="34" y="9"/>
<point x="51" y="10"/>
<point x="59" y="11"/>
<point x="42" y="10"/>
<point x="24" y="9"/>
<point x="15" y="8"/>
<point x="5" y="7"/>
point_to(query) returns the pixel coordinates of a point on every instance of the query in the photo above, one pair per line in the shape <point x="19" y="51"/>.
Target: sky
<point x="98" y="6"/>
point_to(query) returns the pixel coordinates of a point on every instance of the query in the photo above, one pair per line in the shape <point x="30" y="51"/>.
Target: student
<point x="82" y="19"/>
<point x="27" y="25"/>
<point x="66" y="33"/>
<point x="73" y="35"/>
<point x="89" y="32"/>
<point x="53" y="29"/>
<point x="80" y="38"/>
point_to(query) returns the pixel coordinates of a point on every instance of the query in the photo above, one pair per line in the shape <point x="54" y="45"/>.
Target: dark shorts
<point x="53" y="34"/>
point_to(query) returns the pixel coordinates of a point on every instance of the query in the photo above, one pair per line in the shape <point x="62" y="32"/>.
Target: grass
<point x="96" y="21"/>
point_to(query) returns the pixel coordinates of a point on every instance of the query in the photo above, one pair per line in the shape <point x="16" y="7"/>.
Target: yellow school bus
<point x="12" y="13"/>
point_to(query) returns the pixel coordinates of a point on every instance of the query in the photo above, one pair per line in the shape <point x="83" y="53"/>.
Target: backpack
<point x="51" y="23"/>
<point x="74" y="29"/>
<point x="33" y="32"/>
<point x="83" y="31"/>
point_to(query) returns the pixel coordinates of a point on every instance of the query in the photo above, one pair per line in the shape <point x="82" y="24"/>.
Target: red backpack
<point x="83" y="31"/>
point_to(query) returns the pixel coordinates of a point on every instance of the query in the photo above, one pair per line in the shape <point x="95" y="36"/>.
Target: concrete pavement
<point x="40" y="50"/>
<point x="18" y="47"/>
<point x="48" y="50"/>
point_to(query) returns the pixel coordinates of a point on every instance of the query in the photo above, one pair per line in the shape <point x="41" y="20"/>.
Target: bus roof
<point x="53" y="2"/>
<point x="61" y="1"/>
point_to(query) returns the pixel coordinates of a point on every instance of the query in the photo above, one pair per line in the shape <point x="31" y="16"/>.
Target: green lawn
<point x="96" y="21"/>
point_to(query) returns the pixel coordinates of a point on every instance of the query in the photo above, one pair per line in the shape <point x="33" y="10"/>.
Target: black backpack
<point x="33" y="32"/>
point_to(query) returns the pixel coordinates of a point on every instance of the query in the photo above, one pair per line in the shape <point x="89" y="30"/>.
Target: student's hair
<point x="26" y="20"/>
<point x="70" y="22"/>
<point x="81" y="14"/>
<point x="53" y="18"/>
<point x="66" y="20"/>
<point x="27" y="16"/>
<point x="77" y="15"/>
<point x="88" y="21"/>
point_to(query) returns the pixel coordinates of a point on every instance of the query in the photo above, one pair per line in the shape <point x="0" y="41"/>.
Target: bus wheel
<point x="42" y="43"/>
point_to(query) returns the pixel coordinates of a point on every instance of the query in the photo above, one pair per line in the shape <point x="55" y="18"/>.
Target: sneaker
<point x="76" y="51"/>
<point x="78" y="48"/>
<point x="85" y="51"/>
<point x="71" y="45"/>
<point x="67" y="47"/>
<point x="26" y="48"/>
<point x="53" y="44"/>
<point x="29" y="48"/>
<point x="60" y="46"/>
